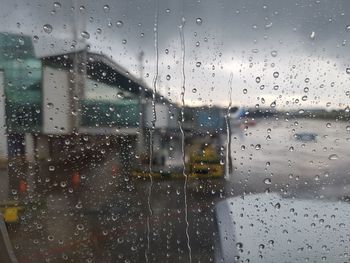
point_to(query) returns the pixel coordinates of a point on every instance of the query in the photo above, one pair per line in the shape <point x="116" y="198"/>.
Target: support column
<point x="3" y="132"/>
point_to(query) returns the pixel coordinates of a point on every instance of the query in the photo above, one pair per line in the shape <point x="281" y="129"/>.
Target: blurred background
<point x="122" y="124"/>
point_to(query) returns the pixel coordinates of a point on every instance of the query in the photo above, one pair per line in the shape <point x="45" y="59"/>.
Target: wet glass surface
<point x="175" y="131"/>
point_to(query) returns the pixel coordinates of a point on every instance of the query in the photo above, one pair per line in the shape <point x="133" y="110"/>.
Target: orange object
<point x="75" y="179"/>
<point x="22" y="188"/>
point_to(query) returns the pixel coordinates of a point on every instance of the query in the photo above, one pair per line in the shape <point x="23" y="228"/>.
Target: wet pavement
<point x="103" y="216"/>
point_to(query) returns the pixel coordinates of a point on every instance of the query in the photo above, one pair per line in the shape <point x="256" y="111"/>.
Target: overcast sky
<point x="276" y="50"/>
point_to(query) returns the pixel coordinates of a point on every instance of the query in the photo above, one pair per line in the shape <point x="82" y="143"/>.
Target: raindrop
<point x="276" y="74"/>
<point x="347" y="70"/>
<point x="198" y="64"/>
<point x="194" y="90"/>
<point x="199" y="21"/>
<point x="120" y="24"/>
<point x="85" y="35"/>
<point x="328" y="125"/>
<point x="21" y="41"/>
<point x="312" y="35"/>
<point x="347" y="28"/>
<point x="35" y="39"/>
<point x="47" y="28"/>
<point x="257" y="79"/>
<point x="267" y="181"/>
<point x="106" y="8"/>
<point x="168" y="77"/>
<point x="257" y="147"/>
<point x="333" y="157"/>
<point x="304" y="98"/>
<point x="124" y="41"/>
<point x="239" y="245"/>
<point x="50" y="105"/>
<point x="273" y="104"/>
<point x="274" y="53"/>
<point x="245" y="91"/>
<point x="277" y="206"/>
<point x="57" y="5"/>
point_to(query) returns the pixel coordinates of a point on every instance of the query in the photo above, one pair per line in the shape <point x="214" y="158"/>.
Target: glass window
<point x="174" y="131"/>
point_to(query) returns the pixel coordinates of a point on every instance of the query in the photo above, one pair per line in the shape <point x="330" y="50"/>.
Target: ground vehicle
<point x="205" y="163"/>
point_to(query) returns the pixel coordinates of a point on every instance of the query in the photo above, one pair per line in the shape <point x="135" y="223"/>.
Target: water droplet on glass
<point x="328" y="125"/>
<point x="194" y="90"/>
<point x="120" y="24"/>
<point x="198" y="64"/>
<point x="273" y="104"/>
<point x="347" y="70"/>
<point x="239" y="245"/>
<point x="257" y="147"/>
<point x="274" y="53"/>
<point x="47" y="28"/>
<point x="35" y="39"/>
<point x="312" y="35"/>
<point x="267" y="181"/>
<point x="168" y="77"/>
<point x="85" y="35"/>
<point x="333" y="157"/>
<point x="276" y="74"/>
<point x="57" y="5"/>
<point x="257" y="79"/>
<point x="199" y="21"/>
<point x="347" y="28"/>
<point x="106" y="8"/>
<point x="50" y="105"/>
